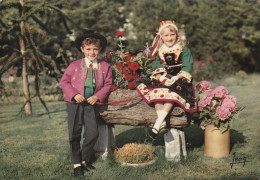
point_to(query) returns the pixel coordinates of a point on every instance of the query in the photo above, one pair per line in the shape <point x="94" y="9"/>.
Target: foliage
<point x="134" y="153"/>
<point x="103" y="16"/>
<point x="216" y="106"/>
<point x="128" y="68"/>
<point x="225" y="30"/>
<point x="202" y="69"/>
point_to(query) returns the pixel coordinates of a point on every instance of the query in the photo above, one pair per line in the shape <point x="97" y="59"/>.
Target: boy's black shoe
<point x="88" y="167"/>
<point x="78" y="172"/>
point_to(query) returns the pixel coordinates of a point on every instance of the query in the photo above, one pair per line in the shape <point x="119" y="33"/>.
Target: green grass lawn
<point x="36" y="147"/>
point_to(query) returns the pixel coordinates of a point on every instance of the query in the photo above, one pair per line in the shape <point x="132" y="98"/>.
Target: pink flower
<point x="201" y="105"/>
<point x="11" y="79"/>
<point x="203" y="85"/>
<point x="203" y="65"/>
<point x="223" y="113"/>
<point x="220" y="91"/>
<point x="108" y="54"/>
<point x="232" y="98"/>
<point x="206" y="100"/>
<point x="195" y="71"/>
<point x="230" y="104"/>
<point x="147" y="51"/>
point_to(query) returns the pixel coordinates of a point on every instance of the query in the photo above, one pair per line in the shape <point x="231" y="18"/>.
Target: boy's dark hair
<point x="90" y="40"/>
<point x="90" y="34"/>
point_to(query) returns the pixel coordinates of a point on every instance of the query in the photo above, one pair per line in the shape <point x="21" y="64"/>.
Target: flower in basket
<point x="134" y="153"/>
<point x="216" y="106"/>
<point x="127" y="67"/>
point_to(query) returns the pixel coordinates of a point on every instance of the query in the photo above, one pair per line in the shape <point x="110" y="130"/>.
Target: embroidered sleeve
<point x="187" y="63"/>
<point x="157" y="66"/>
<point x="185" y="75"/>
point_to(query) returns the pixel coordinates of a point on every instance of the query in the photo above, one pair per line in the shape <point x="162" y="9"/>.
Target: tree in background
<point x="226" y="30"/>
<point x="28" y="40"/>
<point x="103" y="16"/>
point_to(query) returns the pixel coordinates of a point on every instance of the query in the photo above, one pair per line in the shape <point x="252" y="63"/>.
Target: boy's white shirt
<point x="94" y="63"/>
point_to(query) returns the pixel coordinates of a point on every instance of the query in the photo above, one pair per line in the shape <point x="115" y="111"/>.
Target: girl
<point x="172" y="75"/>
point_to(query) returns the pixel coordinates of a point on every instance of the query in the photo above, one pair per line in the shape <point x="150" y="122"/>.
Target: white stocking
<point x="161" y="117"/>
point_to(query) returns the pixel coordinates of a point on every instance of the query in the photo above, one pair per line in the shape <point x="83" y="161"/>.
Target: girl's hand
<point x="92" y="100"/>
<point x="171" y="81"/>
<point x="79" y="98"/>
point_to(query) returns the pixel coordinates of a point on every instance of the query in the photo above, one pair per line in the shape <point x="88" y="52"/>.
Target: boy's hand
<point x="92" y="100"/>
<point x="79" y="98"/>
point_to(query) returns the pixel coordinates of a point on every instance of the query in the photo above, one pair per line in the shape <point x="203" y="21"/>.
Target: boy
<point x="85" y="82"/>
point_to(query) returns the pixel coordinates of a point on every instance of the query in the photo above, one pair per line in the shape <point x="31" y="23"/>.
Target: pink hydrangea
<point x="201" y="105"/>
<point x="231" y="98"/>
<point x="223" y="113"/>
<point x="203" y="85"/>
<point x="207" y="98"/>
<point x="229" y="103"/>
<point x="220" y="91"/>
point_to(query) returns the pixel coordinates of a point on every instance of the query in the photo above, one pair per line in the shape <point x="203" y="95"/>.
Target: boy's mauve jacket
<point x="73" y="80"/>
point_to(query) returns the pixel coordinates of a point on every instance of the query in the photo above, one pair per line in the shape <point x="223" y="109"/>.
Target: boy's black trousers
<point x="81" y="117"/>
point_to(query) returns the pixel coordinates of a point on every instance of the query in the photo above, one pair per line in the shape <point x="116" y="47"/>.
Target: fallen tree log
<point x="137" y="112"/>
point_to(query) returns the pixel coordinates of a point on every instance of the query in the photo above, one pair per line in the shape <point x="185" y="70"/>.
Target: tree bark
<point x="26" y="92"/>
<point x="137" y="112"/>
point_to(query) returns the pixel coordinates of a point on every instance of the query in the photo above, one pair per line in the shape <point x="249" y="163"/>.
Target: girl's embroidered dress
<point x="173" y="61"/>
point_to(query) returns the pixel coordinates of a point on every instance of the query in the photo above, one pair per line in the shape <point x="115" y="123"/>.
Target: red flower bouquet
<point x="127" y="67"/>
<point x="215" y="106"/>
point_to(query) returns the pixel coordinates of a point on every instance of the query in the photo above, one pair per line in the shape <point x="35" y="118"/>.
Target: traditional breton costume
<point x="86" y="78"/>
<point x="171" y="62"/>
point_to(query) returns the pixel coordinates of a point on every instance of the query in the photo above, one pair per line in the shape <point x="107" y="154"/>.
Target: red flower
<point x="196" y="71"/>
<point x="119" y="33"/>
<point x="131" y="85"/>
<point x="209" y="58"/>
<point x="113" y="88"/>
<point x="134" y="66"/>
<point x="127" y="57"/>
<point x="119" y="66"/>
<point x="125" y="70"/>
<point x="203" y="65"/>
<point x="129" y="77"/>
